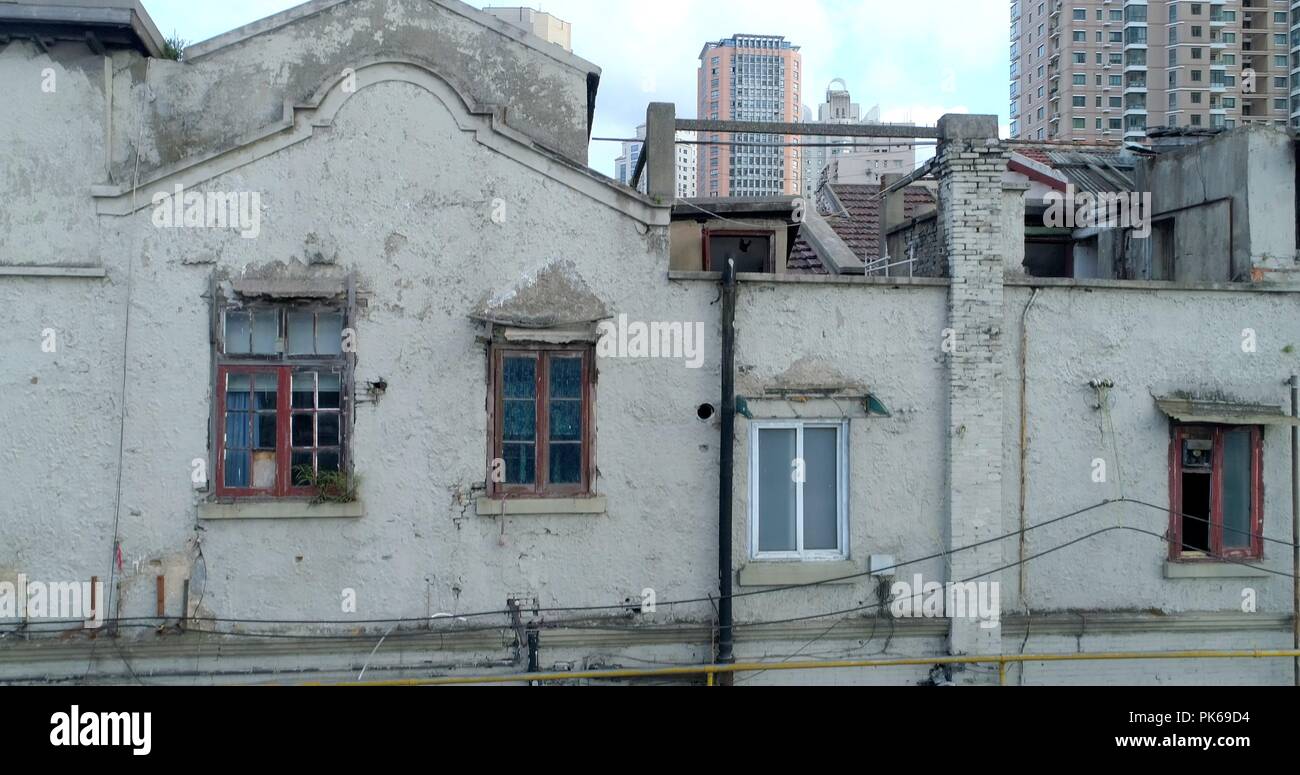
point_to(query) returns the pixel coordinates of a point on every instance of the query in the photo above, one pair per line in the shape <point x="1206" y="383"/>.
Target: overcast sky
<point x="917" y="59"/>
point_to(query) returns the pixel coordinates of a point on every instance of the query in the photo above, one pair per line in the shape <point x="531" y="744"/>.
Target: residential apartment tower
<point x="1089" y="70"/>
<point x="749" y="78"/>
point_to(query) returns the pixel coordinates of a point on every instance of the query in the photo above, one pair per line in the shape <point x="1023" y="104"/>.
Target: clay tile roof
<point x="859" y="224"/>
<point x="804" y="259"/>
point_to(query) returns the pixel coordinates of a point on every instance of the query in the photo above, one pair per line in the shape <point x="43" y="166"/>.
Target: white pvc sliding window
<point x="798" y="490"/>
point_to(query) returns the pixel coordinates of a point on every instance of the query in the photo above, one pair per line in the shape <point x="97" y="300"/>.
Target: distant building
<point x="541" y="24"/>
<point x="858" y="161"/>
<point x="1095" y="70"/>
<point x="687" y="166"/>
<point x="749" y="78"/>
<point x="625" y="164"/>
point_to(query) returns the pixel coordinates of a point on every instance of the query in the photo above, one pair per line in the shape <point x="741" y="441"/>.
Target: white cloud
<point x="912" y="58"/>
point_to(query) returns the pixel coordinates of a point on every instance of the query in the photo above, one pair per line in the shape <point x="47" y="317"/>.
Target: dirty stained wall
<point x="398" y="192"/>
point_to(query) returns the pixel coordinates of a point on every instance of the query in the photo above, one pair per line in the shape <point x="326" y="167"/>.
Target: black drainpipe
<point x="728" y="437"/>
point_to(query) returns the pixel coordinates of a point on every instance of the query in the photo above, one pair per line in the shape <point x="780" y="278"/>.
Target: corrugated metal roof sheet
<point x="1095" y="172"/>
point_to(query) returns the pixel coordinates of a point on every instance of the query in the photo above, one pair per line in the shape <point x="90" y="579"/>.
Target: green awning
<point x="1224" y="412"/>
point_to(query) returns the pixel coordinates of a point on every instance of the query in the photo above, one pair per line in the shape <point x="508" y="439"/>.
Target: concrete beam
<point x="903" y="131"/>
<point x="99" y="15"/>
<point x="660" y="151"/>
<point x="967" y="126"/>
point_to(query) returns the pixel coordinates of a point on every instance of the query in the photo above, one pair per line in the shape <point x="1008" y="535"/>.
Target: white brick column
<point x="970" y="162"/>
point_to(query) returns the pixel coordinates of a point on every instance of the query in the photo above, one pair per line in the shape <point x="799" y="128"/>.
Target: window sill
<point x="1212" y="570"/>
<point x="286" y="509"/>
<point x="779" y="574"/>
<point x="510" y="507"/>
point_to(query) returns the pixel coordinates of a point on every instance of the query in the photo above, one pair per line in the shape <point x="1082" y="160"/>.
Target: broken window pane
<point x="750" y="252"/>
<point x="1197" y="470"/>
<point x="302" y="337"/>
<point x="776" y="490"/>
<point x="238" y="331"/>
<point x="263" y="445"/>
<point x="821" y="489"/>
<point x="264" y="469"/>
<point x="329" y="333"/>
<point x="1236" y="489"/>
<point x="266" y="332"/>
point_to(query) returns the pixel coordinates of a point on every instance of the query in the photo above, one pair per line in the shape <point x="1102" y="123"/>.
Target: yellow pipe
<point x="746" y="667"/>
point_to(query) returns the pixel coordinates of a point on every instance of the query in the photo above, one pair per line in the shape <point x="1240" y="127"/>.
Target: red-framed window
<point x="1217" y="492"/>
<point x="541" y="443"/>
<point x="281" y="398"/>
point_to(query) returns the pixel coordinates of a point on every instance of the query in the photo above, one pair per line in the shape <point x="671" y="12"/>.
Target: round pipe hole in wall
<point x="705" y="412"/>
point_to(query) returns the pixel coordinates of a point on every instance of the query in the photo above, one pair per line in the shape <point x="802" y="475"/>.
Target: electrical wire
<point x="900" y="143"/>
<point x="604" y="622"/>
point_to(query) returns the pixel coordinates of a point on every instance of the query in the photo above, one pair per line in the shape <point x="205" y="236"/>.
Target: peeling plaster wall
<point x="226" y="92"/>
<point x="407" y="198"/>
<point x="54" y="150"/>
<point x="888" y="341"/>
<point x="1255" y="167"/>
<point x="398" y="193"/>
<point x="1148" y="343"/>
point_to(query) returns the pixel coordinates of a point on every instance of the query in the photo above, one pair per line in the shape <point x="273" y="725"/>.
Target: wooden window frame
<point x="1217" y="551"/>
<point x="285" y="366"/>
<point x="540" y="488"/>
<point x="769" y="264"/>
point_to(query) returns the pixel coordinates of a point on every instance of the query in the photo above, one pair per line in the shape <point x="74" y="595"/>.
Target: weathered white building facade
<point x="418" y="301"/>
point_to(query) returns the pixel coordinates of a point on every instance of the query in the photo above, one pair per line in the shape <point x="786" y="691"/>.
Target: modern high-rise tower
<point x="749" y="78"/>
<point x="1093" y="70"/>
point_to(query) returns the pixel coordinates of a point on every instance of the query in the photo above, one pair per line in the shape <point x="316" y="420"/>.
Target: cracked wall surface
<point x="397" y="192"/>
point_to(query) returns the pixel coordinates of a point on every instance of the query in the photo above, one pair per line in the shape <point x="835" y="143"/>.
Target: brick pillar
<point x="969" y="163"/>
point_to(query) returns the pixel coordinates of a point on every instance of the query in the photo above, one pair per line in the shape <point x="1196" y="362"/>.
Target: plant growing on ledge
<point x="330" y="486"/>
<point x="174" y="48"/>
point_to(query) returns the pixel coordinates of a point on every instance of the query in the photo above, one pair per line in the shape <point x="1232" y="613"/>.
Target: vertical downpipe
<point x="1024" y="446"/>
<point x="1295" y="528"/>
<point x="726" y="445"/>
